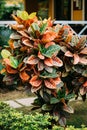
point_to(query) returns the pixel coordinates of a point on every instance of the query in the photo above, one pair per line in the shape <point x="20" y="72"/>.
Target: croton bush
<point x="49" y="60"/>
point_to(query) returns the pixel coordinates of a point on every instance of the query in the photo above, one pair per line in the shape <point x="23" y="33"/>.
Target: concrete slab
<point x="13" y="104"/>
<point x="26" y="101"/>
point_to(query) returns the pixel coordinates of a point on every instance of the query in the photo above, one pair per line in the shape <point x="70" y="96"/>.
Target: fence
<point x="79" y="27"/>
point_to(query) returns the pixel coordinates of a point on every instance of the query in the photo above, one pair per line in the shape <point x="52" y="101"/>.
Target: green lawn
<point x="77" y="119"/>
<point x="80" y="114"/>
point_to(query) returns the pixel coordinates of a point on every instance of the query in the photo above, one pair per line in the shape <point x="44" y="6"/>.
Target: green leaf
<point x="69" y="96"/>
<point x="47" y="107"/>
<point x="14" y="62"/>
<point x="48" y="52"/>
<point x="22" y="14"/>
<point x="43" y="27"/>
<point x="46" y="74"/>
<point x="54" y="100"/>
<point x="32" y="15"/>
<point x="5" y="53"/>
<point x="35" y="27"/>
<point x="84" y="73"/>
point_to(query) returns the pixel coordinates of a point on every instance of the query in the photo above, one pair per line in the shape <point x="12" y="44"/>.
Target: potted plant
<point x="50" y="60"/>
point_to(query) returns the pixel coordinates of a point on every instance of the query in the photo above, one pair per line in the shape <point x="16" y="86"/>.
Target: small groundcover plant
<point x="49" y="60"/>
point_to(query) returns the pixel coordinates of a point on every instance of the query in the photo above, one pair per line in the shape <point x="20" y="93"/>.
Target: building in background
<point x="59" y="9"/>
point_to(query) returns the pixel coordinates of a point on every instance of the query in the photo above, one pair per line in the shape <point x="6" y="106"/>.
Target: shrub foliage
<point x="50" y="60"/>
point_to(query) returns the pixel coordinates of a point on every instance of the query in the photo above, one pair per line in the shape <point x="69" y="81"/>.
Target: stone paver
<point x="13" y="104"/>
<point x="25" y="101"/>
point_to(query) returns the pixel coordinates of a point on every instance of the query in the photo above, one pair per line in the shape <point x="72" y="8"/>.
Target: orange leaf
<point x="48" y="36"/>
<point x="85" y="84"/>
<point x="7" y="61"/>
<point x="49" y="44"/>
<point x="48" y="62"/>
<point x="11" y="70"/>
<point x="50" y="84"/>
<point x="35" y="81"/>
<point x="76" y="59"/>
<point x="57" y="80"/>
<point x="24" y="76"/>
<point x="84" y="51"/>
<point x="32" y="60"/>
<point x="69" y="54"/>
<point x="41" y="56"/>
<point x="57" y="61"/>
<point x="40" y="66"/>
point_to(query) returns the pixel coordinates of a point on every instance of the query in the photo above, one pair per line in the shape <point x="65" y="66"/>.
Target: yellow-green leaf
<point x="22" y="14"/>
<point x="5" y="53"/>
<point x="32" y="15"/>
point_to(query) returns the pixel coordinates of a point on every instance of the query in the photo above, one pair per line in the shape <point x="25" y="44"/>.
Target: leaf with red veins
<point x="57" y="80"/>
<point x="85" y="84"/>
<point x="76" y="59"/>
<point x="26" y="42"/>
<point x="41" y="56"/>
<point x="32" y="60"/>
<point x="84" y="51"/>
<point x="48" y="36"/>
<point x="69" y="54"/>
<point x="83" y="60"/>
<point x="57" y="61"/>
<point x="24" y="76"/>
<point x="49" y="44"/>
<point x="48" y="62"/>
<point x="50" y="84"/>
<point x="40" y="66"/>
<point x="11" y="70"/>
<point x="35" y="82"/>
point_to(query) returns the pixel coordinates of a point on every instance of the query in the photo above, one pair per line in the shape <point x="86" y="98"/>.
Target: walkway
<point x="17" y="103"/>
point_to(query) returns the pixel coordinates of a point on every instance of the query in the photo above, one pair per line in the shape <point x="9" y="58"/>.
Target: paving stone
<point x="13" y="104"/>
<point x="26" y="101"/>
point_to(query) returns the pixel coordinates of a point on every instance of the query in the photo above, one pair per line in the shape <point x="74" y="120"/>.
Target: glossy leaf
<point x="43" y="28"/>
<point x="69" y="96"/>
<point x="22" y="14"/>
<point x="48" y="52"/>
<point x="5" y="53"/>
<point x="54" y="100"/>
<point x="45" y="74"/>
<point x="32" y="15"/>
<point x="47" y="107"/>
<point x="14" y="62"/>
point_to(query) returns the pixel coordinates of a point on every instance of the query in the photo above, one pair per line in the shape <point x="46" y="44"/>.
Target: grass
<point x="6" y="94"/>
<point x="77" y="119"/>
<point x="80" y="114"/>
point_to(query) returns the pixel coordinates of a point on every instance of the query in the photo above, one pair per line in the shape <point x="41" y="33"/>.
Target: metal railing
<point x="72" y="24"/>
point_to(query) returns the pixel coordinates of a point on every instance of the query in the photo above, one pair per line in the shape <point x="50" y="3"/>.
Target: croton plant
<point x="49" y="60"/>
